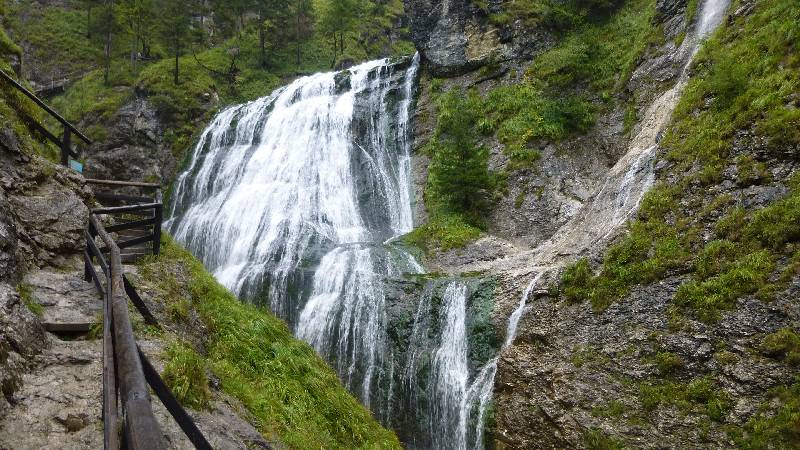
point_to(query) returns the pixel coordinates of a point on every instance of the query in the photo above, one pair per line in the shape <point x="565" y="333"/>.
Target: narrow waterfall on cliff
<point x="614" y="203"/>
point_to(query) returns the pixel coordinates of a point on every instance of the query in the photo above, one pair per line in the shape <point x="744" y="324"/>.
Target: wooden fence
<point x="128" y="376"/>
<point x="127" y="373"/>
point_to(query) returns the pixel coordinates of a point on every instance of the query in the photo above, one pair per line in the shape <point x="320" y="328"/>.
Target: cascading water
<point x="289" y="200"/>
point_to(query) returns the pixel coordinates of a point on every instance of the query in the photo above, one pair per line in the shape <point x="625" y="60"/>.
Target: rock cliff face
<point x="457" y="36"/>
<point x="575" y="377"/>
<point x="134" y="148"/>
<point x="43" y="213"/>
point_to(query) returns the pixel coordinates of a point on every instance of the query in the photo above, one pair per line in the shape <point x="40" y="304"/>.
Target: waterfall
<point x="474" y="404"/>
<point x="292" y="202"/>
<point x="450" y="371"/>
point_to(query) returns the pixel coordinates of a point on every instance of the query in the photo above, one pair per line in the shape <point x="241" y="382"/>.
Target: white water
<point x="289" y="199"/>
<point x="450" y="369"/>
<point x="472" y="411"/>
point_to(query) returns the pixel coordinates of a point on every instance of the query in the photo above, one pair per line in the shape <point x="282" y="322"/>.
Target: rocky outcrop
<point x="592" y="371"/>
<point x="21" y="337"/>
<point x="43" y="209"/>
<point x="134" y="148"/>
<point x="456" y="36"/>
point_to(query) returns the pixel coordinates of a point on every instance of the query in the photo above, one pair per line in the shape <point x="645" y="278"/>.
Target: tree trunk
<point x="107" y="57"/>
<point x="262" y="37"/>
<point x="297" y="41"/>
<point x="177" y="53"/>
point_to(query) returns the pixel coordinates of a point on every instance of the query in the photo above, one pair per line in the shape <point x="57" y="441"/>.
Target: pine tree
<point x="458" y="176"/>
<point x="175" y="26"/>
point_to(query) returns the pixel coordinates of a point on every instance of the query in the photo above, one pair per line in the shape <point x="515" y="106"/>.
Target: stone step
<point x="70" y="305"/>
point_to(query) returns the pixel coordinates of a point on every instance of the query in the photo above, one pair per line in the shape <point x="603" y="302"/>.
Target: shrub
<point x="784" y="344"/>
<point x="668" y="362"/>
<point x="576" y="281"/>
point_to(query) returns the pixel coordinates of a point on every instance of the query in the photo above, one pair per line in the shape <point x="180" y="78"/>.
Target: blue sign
<point x="75" y="165"/>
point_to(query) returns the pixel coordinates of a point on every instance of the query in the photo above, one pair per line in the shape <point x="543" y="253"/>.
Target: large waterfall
<point x="293" y="201"/>
<point x="289" y="200"/>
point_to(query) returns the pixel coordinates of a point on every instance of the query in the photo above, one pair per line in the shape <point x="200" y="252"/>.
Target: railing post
<point x="159" y="213"/>
<point x="66" y="146"/>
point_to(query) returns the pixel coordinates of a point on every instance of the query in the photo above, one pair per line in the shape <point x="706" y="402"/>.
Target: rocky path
<point x="59" y="403"/>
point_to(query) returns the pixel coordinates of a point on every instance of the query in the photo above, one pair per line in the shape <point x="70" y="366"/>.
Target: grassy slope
<point x="747" y="77"/>
<point x="294" y="395"/>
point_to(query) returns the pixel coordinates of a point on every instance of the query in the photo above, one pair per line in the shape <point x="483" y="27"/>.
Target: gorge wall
<point x="630" y="359"/>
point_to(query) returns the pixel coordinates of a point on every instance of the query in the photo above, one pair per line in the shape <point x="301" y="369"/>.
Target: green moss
<point x="776" y="424"/>
<point x="595" y="439"/>
<point x="668" y="362"/>
<point x="708" y="297"/>
<point x="783" y="344"/>
<point x="519" y="200"/>
<point x="443" y="231"/>
<point x="185" y="374"/>
<point x="614" y="408"/>
<point x="57" y="37"/>
<point x="576" y="281"/>
<point x="700" y="395"/>
<point x="588" y="355"/>
<point x="26" y="293"/>
<point x="291" y="392"/>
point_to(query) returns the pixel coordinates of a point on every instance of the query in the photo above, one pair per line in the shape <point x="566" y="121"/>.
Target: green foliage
<point x="89" y="98"/>
<point x="614" y="408"/>
<point x="745" y="275"/>
<point x="668" y="362"/>
<point x="576" y="281"/>
<point x="523" y="113"/>
<point x="56" y="35"/>
<point x="26" y="293"/>
<point x="288" y="388"/>
<point x="443" y="231"/>
<point x="776" y="424"/>
<point x="776" y="224"/>
<point x="701" y="395"/>
<point x="746" y="74"/>
<point x="587" y="355"/>
<point x="595" y="439"/>
<point x="459" y="180"/>
<point x="459" y="183"/>
<point x="784" y="344"/>
<point x="185" y="374"/>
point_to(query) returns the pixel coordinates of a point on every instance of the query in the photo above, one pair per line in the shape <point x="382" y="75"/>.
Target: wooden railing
<point x="64" y="143"/>
<point x="127" y="373"/>
<point x="126" y="370"/>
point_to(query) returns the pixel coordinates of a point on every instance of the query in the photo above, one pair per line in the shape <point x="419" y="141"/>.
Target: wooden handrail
<point x="44" y="106"/>
<point x="141" y="428"/>
<point x="123" y="183"/>
<point x="126" y="369"/>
